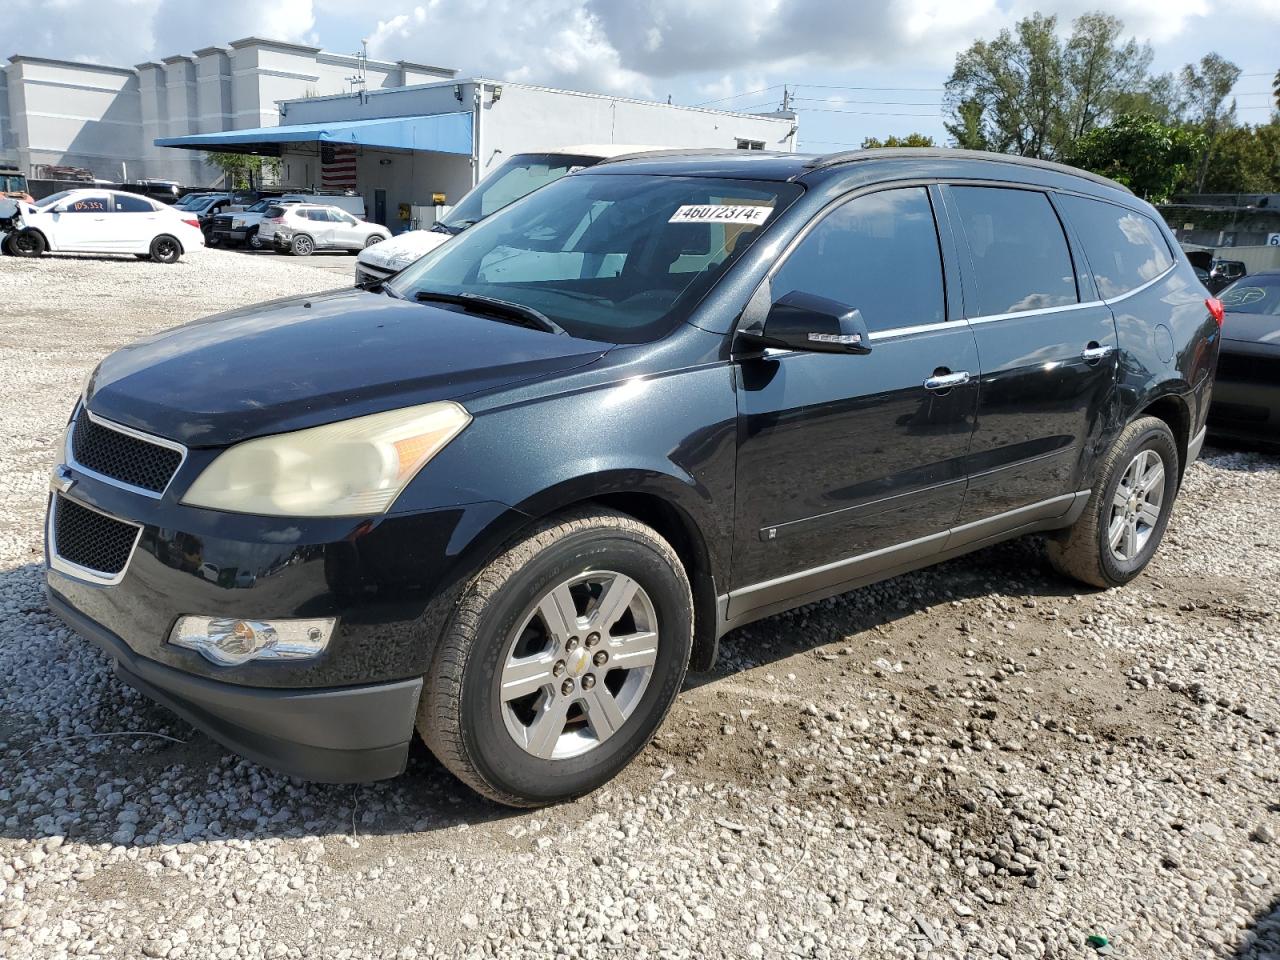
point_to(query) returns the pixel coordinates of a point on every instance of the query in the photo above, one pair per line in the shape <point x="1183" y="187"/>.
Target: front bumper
<point x="343" y="735"/>
<point x="372" y="273"/>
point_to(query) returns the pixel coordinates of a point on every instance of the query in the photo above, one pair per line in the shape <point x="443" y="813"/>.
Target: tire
<point x="165" y="249"/>
<point x="251" y="240"/>
<point x="302" y="246"/>
<point x="212" y="239"/>
<point x="372" y="240"/>
<point x="1084" y="551"/>
<point x="472" y="729"/>
<point x="27" y="243"/>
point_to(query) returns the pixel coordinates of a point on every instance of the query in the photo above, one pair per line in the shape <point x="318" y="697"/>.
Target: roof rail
<point x="676" y="152"/>
<point x="896" y="153"/>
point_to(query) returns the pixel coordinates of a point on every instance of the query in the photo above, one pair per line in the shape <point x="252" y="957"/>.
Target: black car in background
<point x="1246" y="395"/>
<point x="508" y="498"/>
<point x="1223" y="273"/>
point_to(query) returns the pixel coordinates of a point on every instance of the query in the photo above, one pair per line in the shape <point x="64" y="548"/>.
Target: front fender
<point x="671" y="436"/>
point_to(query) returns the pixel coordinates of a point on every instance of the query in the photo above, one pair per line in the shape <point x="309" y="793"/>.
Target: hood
<point x="407" y="246"/>
<point x="305" y="361"/>
<point x="1251" y="328"/>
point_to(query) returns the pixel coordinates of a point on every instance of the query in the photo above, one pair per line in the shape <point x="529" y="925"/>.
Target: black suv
<point x="507" y="498"/>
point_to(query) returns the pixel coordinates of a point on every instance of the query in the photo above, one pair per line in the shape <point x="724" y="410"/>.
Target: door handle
<point x="1095" y="352"/>
<point x="945" y="381"/>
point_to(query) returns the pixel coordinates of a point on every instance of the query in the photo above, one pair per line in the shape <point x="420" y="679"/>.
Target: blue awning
<point x="439" y="132"/>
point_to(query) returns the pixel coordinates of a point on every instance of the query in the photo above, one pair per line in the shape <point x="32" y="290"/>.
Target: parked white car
<point x="519" y="176"/>
<point x="241" y="226"/>
<point x="105" y="221"/>
<point x="303" y="228"/>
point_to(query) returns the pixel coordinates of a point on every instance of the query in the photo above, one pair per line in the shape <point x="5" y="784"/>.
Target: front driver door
<point x="83" y="223"/>
<point x="850" y="465"/>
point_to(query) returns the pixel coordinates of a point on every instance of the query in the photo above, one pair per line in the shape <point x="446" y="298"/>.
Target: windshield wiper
<point x="453" y="229"/>
<point x="505" y="310"/>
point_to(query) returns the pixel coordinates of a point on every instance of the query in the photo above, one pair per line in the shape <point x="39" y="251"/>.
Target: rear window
<point x="1018" y="250"/>
<point x="1258" y="295"/>
<point x="1125" y="249"/>
<point x="127" y="204"/>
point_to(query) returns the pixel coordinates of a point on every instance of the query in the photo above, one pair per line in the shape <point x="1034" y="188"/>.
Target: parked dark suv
<point x="509" y="497"/>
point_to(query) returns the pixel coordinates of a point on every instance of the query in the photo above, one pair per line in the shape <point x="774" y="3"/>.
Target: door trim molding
<point x="767" y="597"/>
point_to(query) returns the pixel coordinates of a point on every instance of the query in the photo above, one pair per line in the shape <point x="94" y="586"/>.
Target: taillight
<point x="191" y="222"/>
<point x="276" y="220"/>
<point x="1216" y="309"/>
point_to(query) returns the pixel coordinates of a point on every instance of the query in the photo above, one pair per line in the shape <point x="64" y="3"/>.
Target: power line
<point x="735" y="96"/>
<point x="828" y="86"/>
<point x="869" y="113"/>
<point x="874" y="103"/>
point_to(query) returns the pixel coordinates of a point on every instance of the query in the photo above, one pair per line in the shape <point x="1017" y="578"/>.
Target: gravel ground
<point x="978" y="759"/>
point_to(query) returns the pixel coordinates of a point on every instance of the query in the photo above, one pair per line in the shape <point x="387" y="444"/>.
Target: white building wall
<point x="106" y="118"/>
<point x="73" y="114"/>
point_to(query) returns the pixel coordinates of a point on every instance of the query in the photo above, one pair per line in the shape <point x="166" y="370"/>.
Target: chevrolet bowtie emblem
<point x="60" y="480"/>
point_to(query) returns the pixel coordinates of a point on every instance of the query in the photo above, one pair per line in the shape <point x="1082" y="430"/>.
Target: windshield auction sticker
<point x="721" y="213"/>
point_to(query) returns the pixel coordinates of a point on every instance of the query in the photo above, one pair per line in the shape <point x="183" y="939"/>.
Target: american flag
<point x="337" y="166"/>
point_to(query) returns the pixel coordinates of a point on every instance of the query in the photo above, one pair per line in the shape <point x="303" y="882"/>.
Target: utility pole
<point x="786" y="98"/>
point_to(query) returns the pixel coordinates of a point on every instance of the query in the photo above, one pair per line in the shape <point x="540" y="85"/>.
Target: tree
<point x="1246" y="160"/>
<point x="1204" y="93"/>
<point x="1027" y="92"/>
<point x="242" y="169"/>
<point x="966" y="130"/>
<point x="1148" y="157"/>
<point x="910" y="140"/>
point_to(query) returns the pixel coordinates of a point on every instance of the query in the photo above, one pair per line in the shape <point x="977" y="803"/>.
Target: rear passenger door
<point x="134" y="224"/>
<point x="1047" y="350"/>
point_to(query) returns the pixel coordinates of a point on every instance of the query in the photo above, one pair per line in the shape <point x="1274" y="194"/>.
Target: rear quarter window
<point x="1124" y="248"/>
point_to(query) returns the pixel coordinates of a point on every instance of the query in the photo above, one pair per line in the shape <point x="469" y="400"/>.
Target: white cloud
<point x="554" y="41"/>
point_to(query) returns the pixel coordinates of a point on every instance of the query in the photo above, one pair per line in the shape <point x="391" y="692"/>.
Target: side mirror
<point x="804" y="321"/>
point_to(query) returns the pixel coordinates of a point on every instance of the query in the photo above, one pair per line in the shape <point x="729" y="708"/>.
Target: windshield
<point x="620" y="258"/>
<point x="518" y="177"/>
<point x="260" y="207"/>
<point x="1259" y="295"/>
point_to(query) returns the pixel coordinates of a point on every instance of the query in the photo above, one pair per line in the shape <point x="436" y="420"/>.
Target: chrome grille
<point x="123" y="456"/>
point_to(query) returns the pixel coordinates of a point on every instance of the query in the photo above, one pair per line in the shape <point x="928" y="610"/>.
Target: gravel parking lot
<point x="979" y="759"/>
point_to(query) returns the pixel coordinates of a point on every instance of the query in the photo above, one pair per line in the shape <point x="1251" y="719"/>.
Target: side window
<point x="1124" y="248"/>
<point x="878" y="253"/>
<point x="90" y="204"/>
<point x="126" y="204"/>
<point x="1019" y="251"/>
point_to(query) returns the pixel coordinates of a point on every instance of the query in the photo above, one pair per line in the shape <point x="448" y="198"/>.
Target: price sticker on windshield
<point x="722" y="213"/>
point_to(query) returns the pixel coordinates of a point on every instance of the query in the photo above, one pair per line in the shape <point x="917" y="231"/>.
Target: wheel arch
<point x="653" y="501"/>
<point x="1176" y="414"/>
<point x="182" y="248"/>
<point x="48" y="247"/>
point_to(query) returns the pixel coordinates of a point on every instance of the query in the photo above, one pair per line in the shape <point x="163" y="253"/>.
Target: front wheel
<point x="165" y="249"/>
<point x="27" y="243"/>
<point x="1127" y="512"/>
<point x="560" y="660"/>
<point x="253" y="240"/>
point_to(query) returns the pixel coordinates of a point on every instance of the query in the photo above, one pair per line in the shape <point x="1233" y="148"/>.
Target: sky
<point x="855" y="69"/>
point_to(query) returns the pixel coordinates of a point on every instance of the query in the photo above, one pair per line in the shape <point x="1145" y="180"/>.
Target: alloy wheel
<point x="578" y="665"/>
<point x="1136" y="505"/>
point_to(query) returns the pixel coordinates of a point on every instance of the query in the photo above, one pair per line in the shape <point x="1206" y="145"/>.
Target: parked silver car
<point x="303" y="228"/>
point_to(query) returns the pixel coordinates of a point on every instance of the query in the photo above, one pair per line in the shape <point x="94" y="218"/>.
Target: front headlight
<point x="349" y="468"/>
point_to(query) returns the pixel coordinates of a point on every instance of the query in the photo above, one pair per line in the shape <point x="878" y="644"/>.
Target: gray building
<point x="106" y="119"/>
<point x="415" y="143"/>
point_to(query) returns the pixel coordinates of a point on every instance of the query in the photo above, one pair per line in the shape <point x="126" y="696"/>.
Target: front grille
<point x="121" y="456"/>
<point x="90" y="539"/>
<point x="223" y="222"/>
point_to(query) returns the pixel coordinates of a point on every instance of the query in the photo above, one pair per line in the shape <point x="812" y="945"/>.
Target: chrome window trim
<point x="1129" y="293"/>
<point x="75" y="570"/>
<point x="70" y="459"/>
<point x="1038" y="312"/>
<point x="917" y="328"/>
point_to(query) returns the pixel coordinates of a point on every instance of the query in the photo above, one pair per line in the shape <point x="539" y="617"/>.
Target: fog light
<point x="229" y="643"/>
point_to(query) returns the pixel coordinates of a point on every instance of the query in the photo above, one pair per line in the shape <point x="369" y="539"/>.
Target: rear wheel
<point x="1125" y="518"/>
<point x="561" y="659"/>
<point x="302" y="246"/>
<point x="27" y="243"/>
<point x="165" y="249"/>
